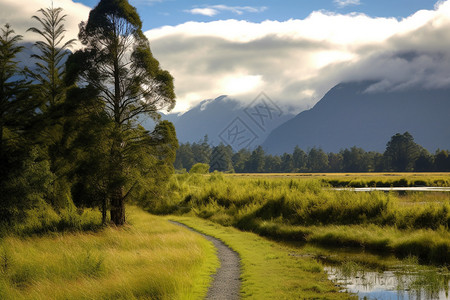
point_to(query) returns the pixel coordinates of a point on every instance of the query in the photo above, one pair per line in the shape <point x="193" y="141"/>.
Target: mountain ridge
<point x="349" y="116"/>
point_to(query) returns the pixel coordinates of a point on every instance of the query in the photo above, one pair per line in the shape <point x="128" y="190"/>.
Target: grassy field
<point x="147" y="259"/>
<point x="362" y="179"/>
<point x="270" y="270"/>
<point x="305" y="209"/>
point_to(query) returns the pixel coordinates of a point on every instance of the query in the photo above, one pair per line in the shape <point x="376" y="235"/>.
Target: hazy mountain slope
<point x="216" y="117"/>
<point x="348" y="115"/>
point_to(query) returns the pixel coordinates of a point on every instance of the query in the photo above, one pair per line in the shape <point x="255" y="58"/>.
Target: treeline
<point x="69" y="136"/>
<point x="402" y="154"/>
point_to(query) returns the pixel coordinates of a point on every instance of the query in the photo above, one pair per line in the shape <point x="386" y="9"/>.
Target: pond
<point x="407" y="281"/>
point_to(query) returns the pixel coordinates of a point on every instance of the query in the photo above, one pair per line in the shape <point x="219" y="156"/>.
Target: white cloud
<point x="204" y="11"/>
<point x="297" y="61"/>
<point x="213" y="10"/>
<point x="344" y="3"/>
<point x="19" y="15"/>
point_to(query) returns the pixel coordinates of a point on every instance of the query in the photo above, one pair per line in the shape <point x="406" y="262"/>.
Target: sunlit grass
<point x="308" y="210"/>
<point x="148" y="259"/>
<point x="270" y="270"/>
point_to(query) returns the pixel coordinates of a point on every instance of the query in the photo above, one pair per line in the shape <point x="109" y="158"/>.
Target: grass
<point x="270" y="270"/>
<point x="385" y="179"/>
<point x="307" y="210"/>
<point x="148" y="259"/>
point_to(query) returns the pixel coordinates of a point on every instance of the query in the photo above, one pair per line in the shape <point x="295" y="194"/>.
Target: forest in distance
<point x="402" y="154"/>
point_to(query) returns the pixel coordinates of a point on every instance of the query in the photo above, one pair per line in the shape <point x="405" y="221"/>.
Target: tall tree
<point x="118" y="63"/>
<point x="255" y="163"/>
<point x="49" y="92"/>
<point x="185" y="157"/>
<point x="221" y="158"/>
<point x="53" y="50"/>
<point x="10" y="86"/>
<point x="401" y="152"/>
<point x="202" y="151"/>
<point x="317" y="160"/>
<point x="299" y="156"/>
<point x="240" y="159"/>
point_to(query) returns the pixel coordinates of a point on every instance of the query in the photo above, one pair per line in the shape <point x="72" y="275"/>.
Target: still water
<point x="402" y="282"/>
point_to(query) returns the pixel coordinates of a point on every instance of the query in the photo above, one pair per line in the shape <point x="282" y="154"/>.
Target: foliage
<point x="199" y="168"/>
<point x="117" y="63"/>
<point x="401" y="152"/>
<point x="355" y="159"/>
<point x="49" y="67"/>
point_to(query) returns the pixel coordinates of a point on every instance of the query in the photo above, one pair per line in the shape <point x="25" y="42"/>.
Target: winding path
<point x="226" y="283"/>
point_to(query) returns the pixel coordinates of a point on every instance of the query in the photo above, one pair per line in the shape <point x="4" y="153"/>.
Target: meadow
<point x="306" y="209"/>
<point x="147" y="259"/>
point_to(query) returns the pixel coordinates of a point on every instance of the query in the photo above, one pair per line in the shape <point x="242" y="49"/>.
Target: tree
<point x="221" y="158"/>
<point x="16" y="165"/>
<point x="424" y="162"/>
<point x="255" y="163"/>
<point x="272" y="164"/>
<point x="335" y="162"/>
<point x="317" y="160"/>
<point x="401" y="152"/>
<point x="299" y="156"/>
<point x="118" y="63"/>
<point x="355" y="160"/>
<point x="442" y="161"/>
<point x="287" y="163"/>
<point x="50" y="92"/>
<point x="50" y="69"/>
<point x="240" y="159"/>
<point x="202" y="151"/>
<point x="10" y="87"/>
<point x="184" y="158"/>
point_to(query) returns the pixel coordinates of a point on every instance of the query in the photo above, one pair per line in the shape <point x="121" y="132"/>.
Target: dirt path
<point x="226" y="283"/>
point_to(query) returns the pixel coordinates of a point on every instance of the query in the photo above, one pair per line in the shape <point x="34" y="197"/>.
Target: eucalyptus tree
<point x="117" y="62"/>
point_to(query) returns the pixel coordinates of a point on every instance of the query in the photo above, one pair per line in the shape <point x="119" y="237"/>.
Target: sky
<point x="294" y="51"/>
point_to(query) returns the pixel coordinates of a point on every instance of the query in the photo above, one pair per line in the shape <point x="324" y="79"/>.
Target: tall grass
<point x="150" y="259"/>
<point x="308" y="210"/>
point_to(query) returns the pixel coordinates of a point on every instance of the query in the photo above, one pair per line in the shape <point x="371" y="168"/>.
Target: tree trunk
<point x="117" y="207"/>
<point x="117" y="200"/>
<point x="104" y="210"/>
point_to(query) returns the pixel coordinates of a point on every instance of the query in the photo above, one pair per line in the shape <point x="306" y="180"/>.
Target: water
<point x="396" y="189"/>
<point x="405" y="282"/>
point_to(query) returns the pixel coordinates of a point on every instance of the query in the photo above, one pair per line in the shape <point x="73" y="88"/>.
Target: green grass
<point x="148" y="259"/>
<point x="270" y="270"/>
<point x="308" y="210"/>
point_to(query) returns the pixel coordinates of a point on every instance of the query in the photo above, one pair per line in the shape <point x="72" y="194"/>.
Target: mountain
<point x="226" y="120"/>
<point x="349" y="115"/>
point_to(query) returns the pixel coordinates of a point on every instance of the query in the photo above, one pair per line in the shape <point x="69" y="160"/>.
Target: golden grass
<point x="148" y="259"/>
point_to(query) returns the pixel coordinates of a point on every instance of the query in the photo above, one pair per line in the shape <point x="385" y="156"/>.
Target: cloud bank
<point x="213" y="10"/>
<point x="18" y="14"/>
<point x="297" y="61"/>
<point x="294" y="62"/>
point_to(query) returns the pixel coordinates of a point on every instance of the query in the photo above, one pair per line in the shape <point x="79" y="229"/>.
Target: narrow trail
<point x="226" y="283"/>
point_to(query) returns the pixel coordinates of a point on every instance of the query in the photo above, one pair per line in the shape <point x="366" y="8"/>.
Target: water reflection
<point x="406" y="282"/>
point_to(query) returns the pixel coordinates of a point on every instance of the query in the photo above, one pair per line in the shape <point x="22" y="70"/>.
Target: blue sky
<point x="173" y="12"/>
<point x="293" y="51"/>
